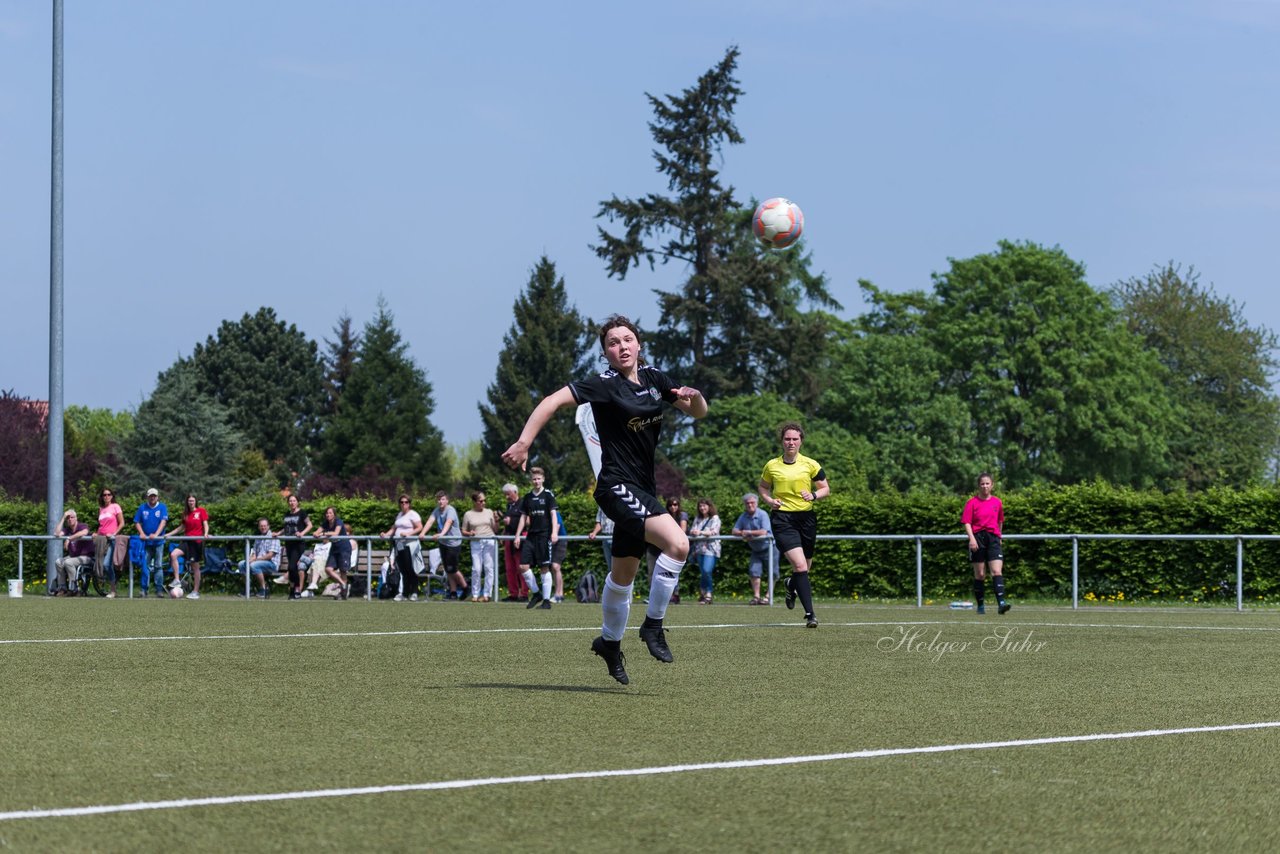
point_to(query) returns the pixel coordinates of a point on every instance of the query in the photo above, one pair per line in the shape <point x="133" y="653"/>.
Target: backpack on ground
<point x="587" y="591"/>
<point x="390" y="587"/>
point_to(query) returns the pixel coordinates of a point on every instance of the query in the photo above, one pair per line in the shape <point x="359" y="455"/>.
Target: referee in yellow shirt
<point x="790" y="484"/>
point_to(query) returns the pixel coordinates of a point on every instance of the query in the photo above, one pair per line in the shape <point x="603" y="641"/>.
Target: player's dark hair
<point x="790" y="425"/>
<point x="614" y="322"/>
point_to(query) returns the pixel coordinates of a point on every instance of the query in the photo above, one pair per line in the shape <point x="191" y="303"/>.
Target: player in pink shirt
<point x="983" y="519"/>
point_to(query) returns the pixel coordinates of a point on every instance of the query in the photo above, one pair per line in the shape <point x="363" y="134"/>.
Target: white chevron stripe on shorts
<point x="633" y="504"/>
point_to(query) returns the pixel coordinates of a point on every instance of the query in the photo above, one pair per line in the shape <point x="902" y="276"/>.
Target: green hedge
<point x="1109" y="570"/>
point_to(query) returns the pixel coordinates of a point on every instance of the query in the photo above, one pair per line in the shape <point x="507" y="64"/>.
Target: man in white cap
<point x="150" y="520"/>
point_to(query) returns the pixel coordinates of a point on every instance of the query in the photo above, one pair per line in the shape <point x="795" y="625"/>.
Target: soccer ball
<point x="778" y="223"/>
<point x="175" y="592"/>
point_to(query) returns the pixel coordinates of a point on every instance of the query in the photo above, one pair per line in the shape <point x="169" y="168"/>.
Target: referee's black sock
<point x="800" y="583"/>
<point x="979" y="591"/>
<point x="997" y="581"/>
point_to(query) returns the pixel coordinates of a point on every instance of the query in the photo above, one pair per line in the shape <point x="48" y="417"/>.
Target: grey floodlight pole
<point x="53" y="512"/>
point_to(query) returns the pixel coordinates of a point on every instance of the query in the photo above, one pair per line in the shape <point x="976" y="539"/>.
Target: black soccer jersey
<point x="540" y="508"/>
<point x="628" y="419"/>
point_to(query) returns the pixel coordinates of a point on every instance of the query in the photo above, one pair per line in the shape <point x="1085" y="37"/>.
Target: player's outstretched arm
<point x="690" y="401"/>
<point x="517" y="456"/>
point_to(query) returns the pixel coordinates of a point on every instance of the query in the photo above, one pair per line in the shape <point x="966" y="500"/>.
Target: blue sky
<point x="312" y="155"/>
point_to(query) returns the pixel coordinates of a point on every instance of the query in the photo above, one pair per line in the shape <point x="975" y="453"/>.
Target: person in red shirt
<point x="983" y="519"/>
<point x="195" y="523"/>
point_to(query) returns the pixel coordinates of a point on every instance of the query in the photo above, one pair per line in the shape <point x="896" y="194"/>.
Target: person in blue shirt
<point x="150" y="521"/>
<point x="754" y="527"/>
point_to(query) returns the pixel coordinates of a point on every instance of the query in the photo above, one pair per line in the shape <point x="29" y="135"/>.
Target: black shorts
<point x="795" y="529"/>
<point x="535" y="550"/>
<point x="192" y="551"/>
<point x="989" y="547"/>
<point x="449" y="557"/>
<point x="629" y="507"/>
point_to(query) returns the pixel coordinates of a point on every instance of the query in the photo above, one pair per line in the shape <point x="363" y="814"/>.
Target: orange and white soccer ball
<point x="778" y="223"/>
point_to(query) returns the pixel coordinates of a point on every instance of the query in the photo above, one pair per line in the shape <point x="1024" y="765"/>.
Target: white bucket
<point x="15" y="588"/>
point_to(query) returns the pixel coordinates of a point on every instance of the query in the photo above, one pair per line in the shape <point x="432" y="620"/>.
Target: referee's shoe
<point x="791" y="593"/>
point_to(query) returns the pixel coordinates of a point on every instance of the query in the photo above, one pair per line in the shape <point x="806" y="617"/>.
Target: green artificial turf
<point x="227" y="697"/>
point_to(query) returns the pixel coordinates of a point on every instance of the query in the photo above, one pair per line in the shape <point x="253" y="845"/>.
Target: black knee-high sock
<point x="800" y="583"/>
<point x="979" y="590"/>
<point x="997" y="581"/>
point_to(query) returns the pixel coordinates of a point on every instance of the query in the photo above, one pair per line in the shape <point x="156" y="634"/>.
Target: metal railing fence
<point x="367" y="548"/>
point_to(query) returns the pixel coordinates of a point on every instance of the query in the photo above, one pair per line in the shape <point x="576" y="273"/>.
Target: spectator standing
<point x="706" y="524"/>
<point x="150" y="522"/>
<point x="195" y="523"/>
<point x="603" y="529"/>
<point x="517" y="590"/>
<point x="77" y="557"/>
<point x="296" y="523"/>
<point x="338" y="563"/>
<point x="264" y="557"/>
<point x="110" y="523"/>
<point x="753" y="526"/>
<point x="537" y="527"/>
<point x="792" y="484"/>
<point x="983" y="520"/>
<point x="404" y="532"/>
<point x="480" y="524"/>
<point x="448" y="537"/>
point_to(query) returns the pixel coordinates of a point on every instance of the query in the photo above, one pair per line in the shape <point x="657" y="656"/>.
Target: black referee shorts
<point x="795" y="529"/>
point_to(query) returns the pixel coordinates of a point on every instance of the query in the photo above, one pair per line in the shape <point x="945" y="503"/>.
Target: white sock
<point x="529" y="582"/>
<point x="615" y="602"/>
<point x="666" y="575"/>
<point x="546" y="585"/>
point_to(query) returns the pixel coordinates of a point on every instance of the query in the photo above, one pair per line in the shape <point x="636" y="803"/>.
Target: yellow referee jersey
<point x="787" y="481"/>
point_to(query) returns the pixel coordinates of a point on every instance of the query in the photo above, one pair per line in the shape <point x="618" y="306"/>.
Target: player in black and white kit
<point x="629" y="404"/>
<point x="537" y="528"/>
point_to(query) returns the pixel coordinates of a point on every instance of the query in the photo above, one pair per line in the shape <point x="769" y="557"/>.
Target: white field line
<point x="186" y="803"/>
<point x="596" y="628"/>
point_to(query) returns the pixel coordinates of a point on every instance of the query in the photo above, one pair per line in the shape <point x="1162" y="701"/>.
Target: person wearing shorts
<point x="195" y="523"/>
<point x="790" y="484"/>
<point x="983" y="520"/>
<point x="333" y="530"/>
<point x="448" y="537"/>
<point x="629" y="402"/>
<point x="753" y="525"/>
<point x="536" y="535"/>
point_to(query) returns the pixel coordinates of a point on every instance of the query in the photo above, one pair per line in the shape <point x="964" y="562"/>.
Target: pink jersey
<point x="107" y="516"/>
<point x="984" y="515"/>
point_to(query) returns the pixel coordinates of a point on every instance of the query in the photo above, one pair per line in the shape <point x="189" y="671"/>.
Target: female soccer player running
<point x="627" y="402"/>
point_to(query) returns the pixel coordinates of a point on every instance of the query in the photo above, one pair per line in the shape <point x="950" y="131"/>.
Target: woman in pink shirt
<point x="110" y="521"/>
<point x="983" y="519"/>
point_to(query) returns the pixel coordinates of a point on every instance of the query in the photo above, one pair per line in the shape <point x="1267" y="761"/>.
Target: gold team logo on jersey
<point x="637" y="424"/>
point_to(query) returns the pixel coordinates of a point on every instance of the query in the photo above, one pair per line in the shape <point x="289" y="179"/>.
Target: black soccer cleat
<point x="810" y="621"/>
<point x="614" y="660"/>
<point x="546" y="604"/>
<point x="656" y="639"/>
<point x="1003" y="607"/>
<point x="791" y="593"/>
<point x="534" y="599"/>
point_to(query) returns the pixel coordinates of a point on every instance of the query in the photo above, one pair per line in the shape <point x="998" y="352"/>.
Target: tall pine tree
<point x="544" y="349"/>
<point x="382" y="424"/>
<point x="733" y="326"/>
<point x="339" y="361"/>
